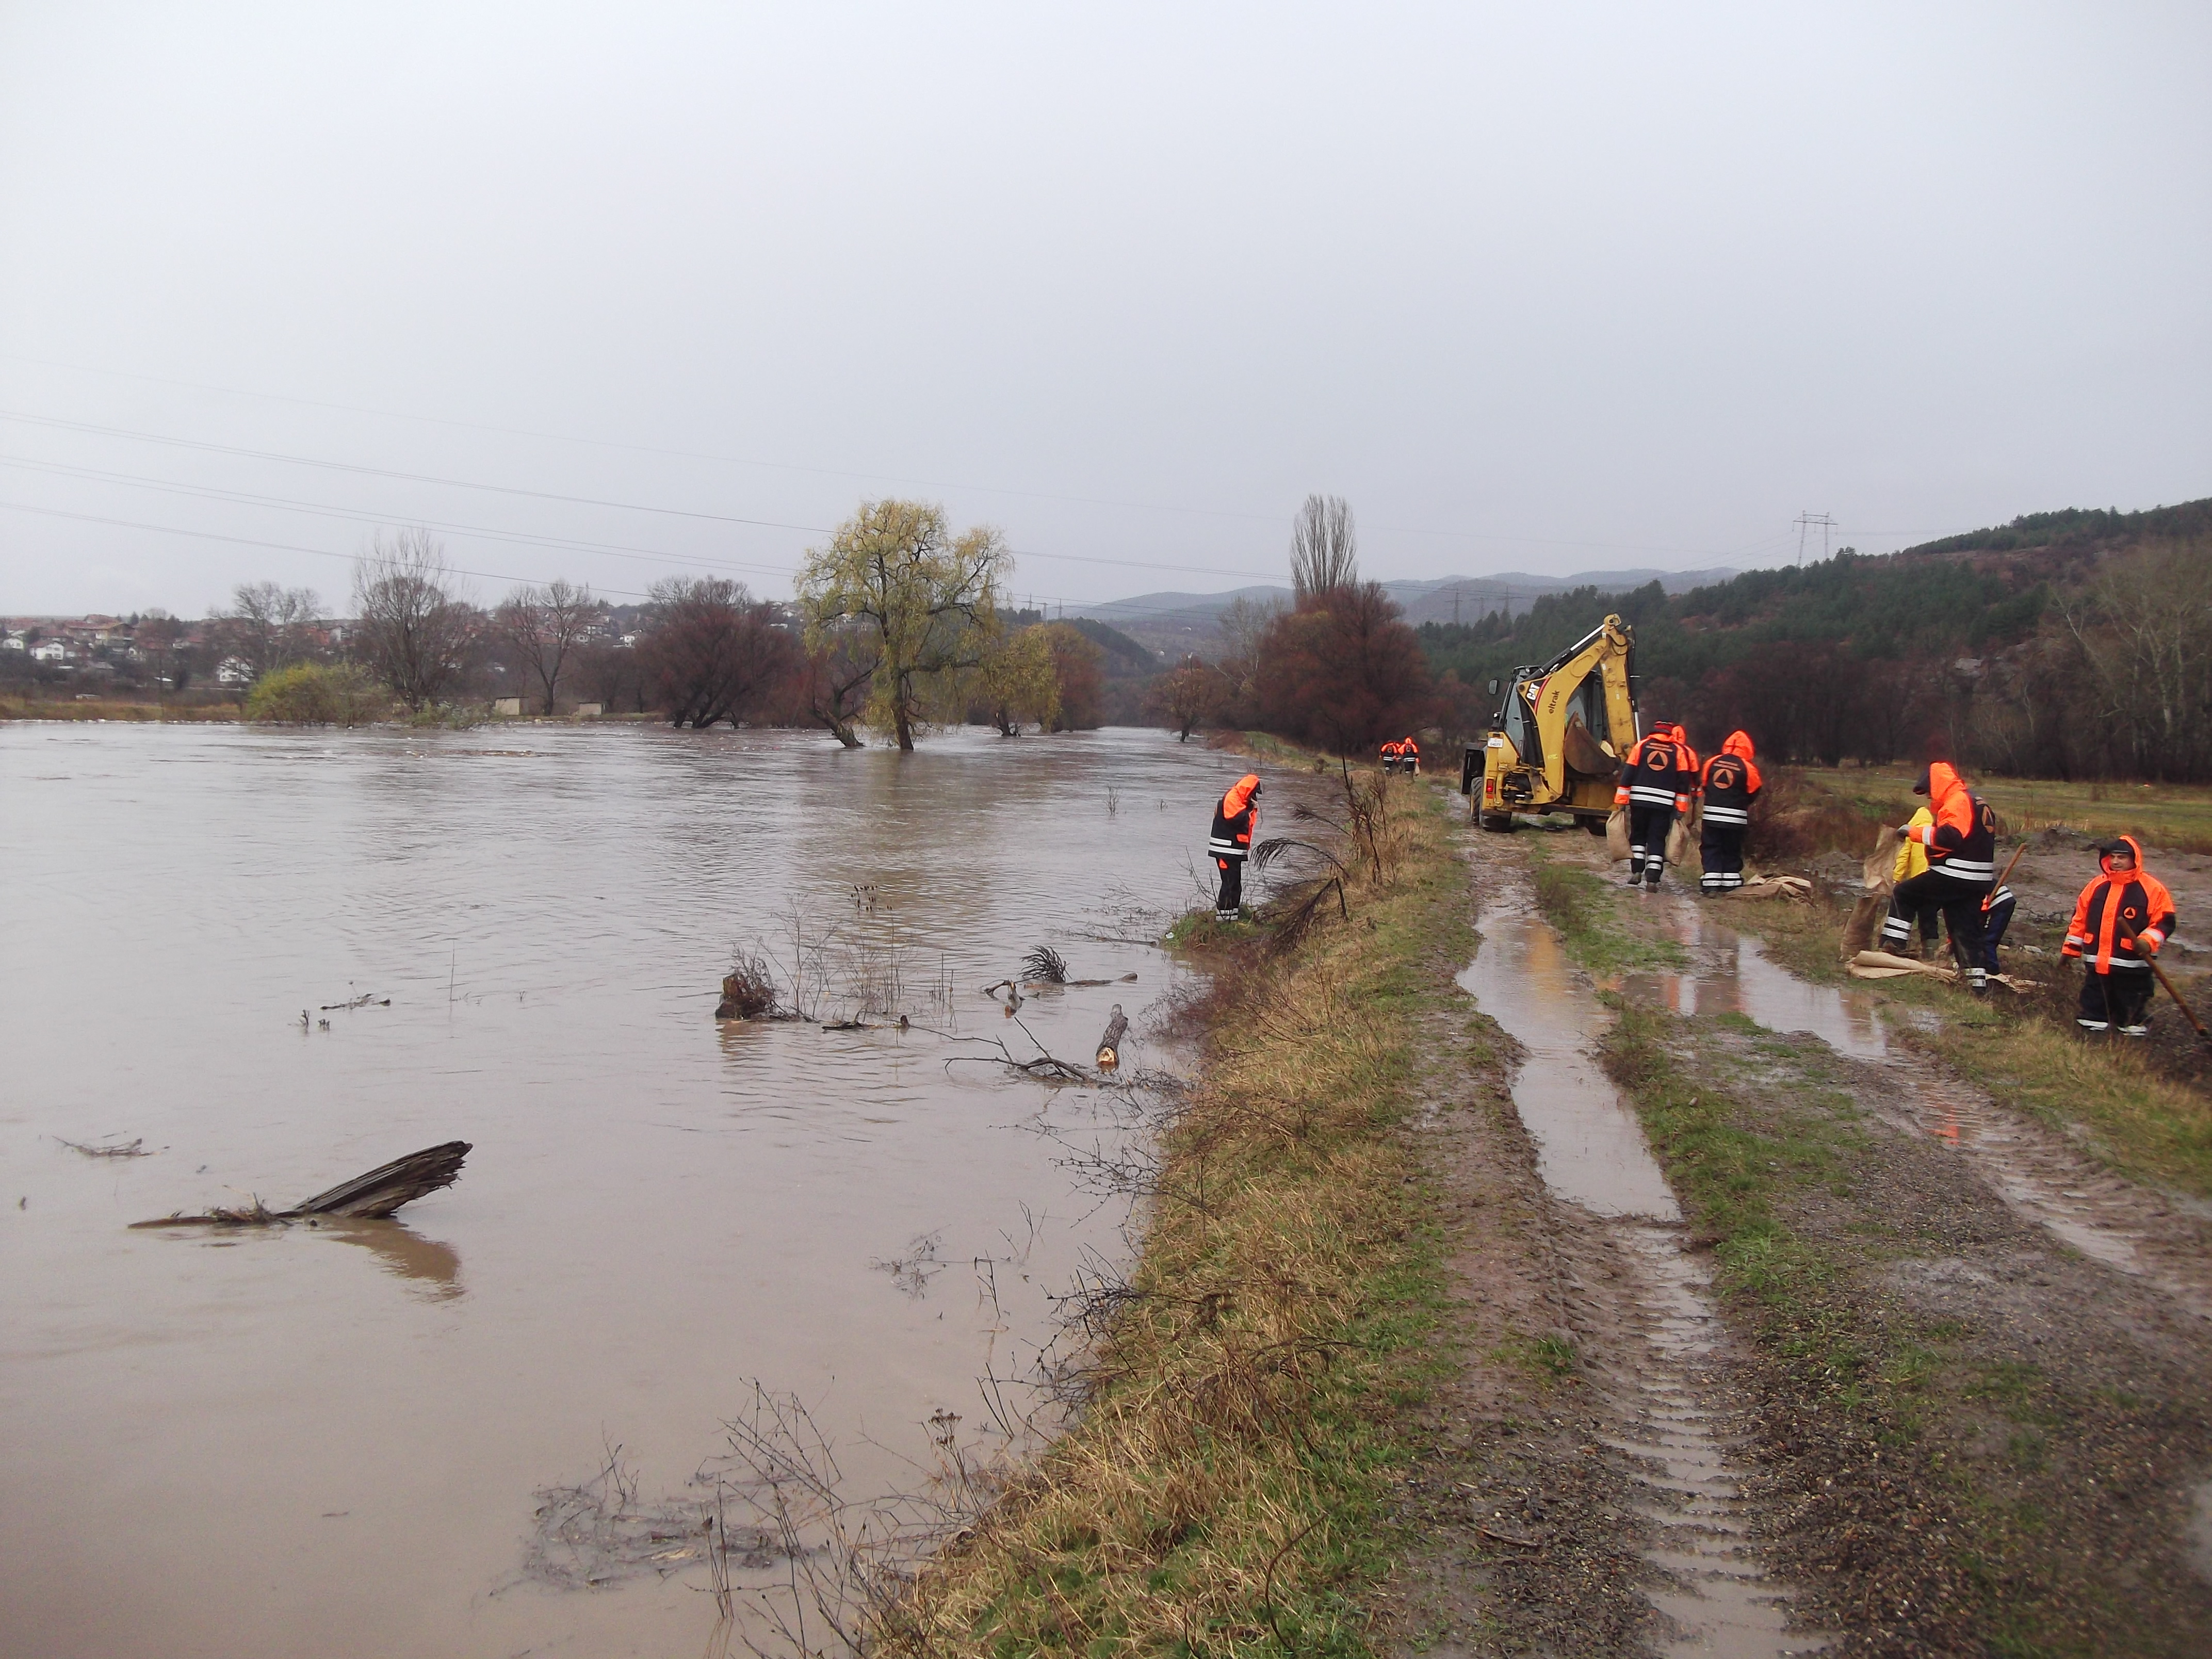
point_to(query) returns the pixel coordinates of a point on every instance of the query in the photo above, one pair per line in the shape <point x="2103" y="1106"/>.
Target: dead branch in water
<point x="1046" y="966"/>
<point x="132" y="1149"/>
<point x="371" y="1196"/>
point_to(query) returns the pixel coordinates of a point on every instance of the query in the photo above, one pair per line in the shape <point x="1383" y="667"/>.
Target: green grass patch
<point x="1604" y="929"/>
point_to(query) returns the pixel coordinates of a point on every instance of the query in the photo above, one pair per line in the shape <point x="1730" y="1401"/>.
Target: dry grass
<point x="1220" y="1490"/>
<point x="2177" y="816"/>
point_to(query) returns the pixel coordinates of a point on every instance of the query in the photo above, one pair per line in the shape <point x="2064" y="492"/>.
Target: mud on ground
<point x="1962" y="1434"/>
<point x="1530" y="1542"/>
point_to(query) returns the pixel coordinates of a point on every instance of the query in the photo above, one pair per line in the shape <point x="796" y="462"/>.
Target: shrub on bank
<point x="315" y="694"/>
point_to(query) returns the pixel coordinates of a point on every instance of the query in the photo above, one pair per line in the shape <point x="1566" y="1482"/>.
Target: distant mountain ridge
<point x="1173" y="624"/>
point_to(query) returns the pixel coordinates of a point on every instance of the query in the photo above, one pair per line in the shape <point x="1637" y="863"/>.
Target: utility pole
<point x="1805" y="522"/>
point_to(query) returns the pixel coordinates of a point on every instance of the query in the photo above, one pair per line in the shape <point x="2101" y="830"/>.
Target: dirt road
<point x="1778" y="1337"/>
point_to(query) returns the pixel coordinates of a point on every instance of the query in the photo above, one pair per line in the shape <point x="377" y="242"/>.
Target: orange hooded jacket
<point x="1963" y="839"/>
<point x="2113" y="906"/>
<point x="1729" y="782"/>
<point x="1234" y="820"/>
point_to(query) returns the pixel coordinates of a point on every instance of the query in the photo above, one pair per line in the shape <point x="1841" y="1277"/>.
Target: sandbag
<point x="1771" y="887"/>
<point x="1881" y="964"/>
<point x="1682" y="839"/>
<point x="1866" y="920"/>
<point x="1616" y="835"/>
<point x="1880" y="872"/>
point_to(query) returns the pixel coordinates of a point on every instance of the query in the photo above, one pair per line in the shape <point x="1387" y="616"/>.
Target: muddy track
<point x="2048" y="1483"/>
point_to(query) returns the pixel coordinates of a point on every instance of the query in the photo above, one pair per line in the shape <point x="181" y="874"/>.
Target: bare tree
<point x="712" y="650"/>
<point x="541" y="626"/>
<point x="266" y="625"/>
<point x="1324" y="551"/>
<point x="415" y="627"/>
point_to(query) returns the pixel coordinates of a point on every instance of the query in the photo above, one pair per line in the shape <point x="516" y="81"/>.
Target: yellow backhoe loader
<point x="1556" y="741"/>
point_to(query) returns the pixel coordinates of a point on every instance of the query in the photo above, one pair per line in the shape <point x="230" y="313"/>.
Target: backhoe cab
<point x="1557" y="738"/>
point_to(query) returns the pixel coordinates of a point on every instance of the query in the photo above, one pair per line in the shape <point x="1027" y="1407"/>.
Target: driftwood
<point x="1109" y="1045"/>
<point x="371" y="1196"/>
<point x="131" y="1149"/>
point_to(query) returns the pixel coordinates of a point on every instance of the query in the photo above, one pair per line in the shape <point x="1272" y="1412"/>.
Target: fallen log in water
<point x="1109" y="1045"/>
<point x="365" y="1197"/>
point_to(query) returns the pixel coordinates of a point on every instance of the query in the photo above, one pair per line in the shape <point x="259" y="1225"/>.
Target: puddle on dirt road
<point x="1670" y="1396"/>
<point x="342" y="1440"/>
<point x="2106" y="1219"/>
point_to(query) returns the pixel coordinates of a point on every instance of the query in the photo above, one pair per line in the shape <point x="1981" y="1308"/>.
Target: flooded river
<point x="338" y="1440"/>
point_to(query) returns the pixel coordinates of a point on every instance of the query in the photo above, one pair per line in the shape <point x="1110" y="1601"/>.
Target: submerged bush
<point x="315" y="694"/>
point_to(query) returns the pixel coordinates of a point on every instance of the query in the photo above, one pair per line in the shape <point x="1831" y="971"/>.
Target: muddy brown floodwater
<point x="332" y="1440"/>
<point x="1666" y="1378"/>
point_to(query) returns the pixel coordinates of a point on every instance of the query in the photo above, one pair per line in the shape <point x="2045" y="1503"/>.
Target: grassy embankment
<point x="2172" y="815"/>
<point x="1939" y="1477"/>
<point x="2146" y="1112"/>
<point x="1226" y="1487"/>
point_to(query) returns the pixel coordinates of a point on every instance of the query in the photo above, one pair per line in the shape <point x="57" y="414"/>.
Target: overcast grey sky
<point x="1546" y="288"/>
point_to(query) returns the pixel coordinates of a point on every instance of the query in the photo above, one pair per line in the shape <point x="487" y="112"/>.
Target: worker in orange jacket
<point x="1235" y="816"/>
<point x="1728" y="784"/>
<point x="2120" y="922"/>
<point x="1656" y="778"/>
<point x="1409" y="757"/>
<point x="1961" y="842"/>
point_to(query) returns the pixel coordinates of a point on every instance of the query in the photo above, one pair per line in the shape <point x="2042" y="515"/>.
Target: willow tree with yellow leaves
<point x="917" y="603"/>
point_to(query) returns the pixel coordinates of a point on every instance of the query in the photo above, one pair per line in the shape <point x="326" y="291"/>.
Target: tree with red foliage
<point x="712" y="651"/>
<point x="1343" y="670"/>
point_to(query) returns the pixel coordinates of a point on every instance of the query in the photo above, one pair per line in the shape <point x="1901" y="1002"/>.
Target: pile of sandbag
<point x="1773" y="887"/>
<point x="1881" y="964"/>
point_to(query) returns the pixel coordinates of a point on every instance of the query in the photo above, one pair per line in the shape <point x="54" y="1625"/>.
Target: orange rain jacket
<point x="1730" y="782"/>
<point x="1962" y="841"/>
<point x="1659" y="772"/>
<point x="1234" y="820"/>
<point x="2112" y="906"/>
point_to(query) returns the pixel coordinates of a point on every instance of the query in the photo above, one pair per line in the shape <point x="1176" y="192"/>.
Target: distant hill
<point x="1970" y="594"/>
<point x="1175" y="625"/>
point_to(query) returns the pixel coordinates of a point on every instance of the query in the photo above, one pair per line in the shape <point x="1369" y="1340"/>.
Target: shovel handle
<point x="2187" y="1014"/>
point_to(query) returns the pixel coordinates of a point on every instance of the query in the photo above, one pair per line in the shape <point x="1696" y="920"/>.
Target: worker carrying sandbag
<point x="1961" y="841"/>
<point x="1230" y="843"/>
<point x="1409" y="757"/>
<point x="1656" y="777"/>
<point x="1728" y="784"/>
<point x="2120" y="921"/>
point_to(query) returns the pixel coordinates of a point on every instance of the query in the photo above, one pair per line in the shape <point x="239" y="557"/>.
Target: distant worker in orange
<point x="1409" y="757"/>
<point x="1389" y="752"/>
<point x="1230" y="843"/>
<point x="1730" y="783"/>
<point x="1656" y="778"/>
<point x="2120" y="922"/>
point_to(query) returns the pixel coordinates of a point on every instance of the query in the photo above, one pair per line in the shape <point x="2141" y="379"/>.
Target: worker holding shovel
<point x="2120" y="921"/>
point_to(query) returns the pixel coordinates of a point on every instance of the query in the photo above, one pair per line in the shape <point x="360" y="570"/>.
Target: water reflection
<point x="435" y="1267"/>
<point x="660" y="1207"/>
<point x="1731" y="973"/>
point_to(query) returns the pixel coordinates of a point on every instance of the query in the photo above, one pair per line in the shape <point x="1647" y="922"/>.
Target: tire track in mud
<point x="1639" y="1302"/>
<point x="2130" y="1228"/>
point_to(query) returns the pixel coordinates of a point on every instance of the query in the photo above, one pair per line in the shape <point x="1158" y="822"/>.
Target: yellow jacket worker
<point x="1912" y="860"/>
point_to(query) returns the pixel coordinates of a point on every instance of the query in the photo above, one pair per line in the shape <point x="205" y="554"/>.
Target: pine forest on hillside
<point x="2073" y="644"/>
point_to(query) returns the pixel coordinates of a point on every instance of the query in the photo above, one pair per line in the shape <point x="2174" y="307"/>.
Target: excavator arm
<point x="1561" y="730"/>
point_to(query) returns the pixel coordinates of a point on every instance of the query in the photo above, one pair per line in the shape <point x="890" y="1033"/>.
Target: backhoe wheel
<point x="1498" y="824"/>
<point x="1595" y="826"/>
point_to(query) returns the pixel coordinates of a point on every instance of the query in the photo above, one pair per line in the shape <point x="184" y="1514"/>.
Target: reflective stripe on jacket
<point x="1962" y="840"/>
<point x="2116" y="905"/>
<point x="1659" y="772"/>
<point x="1234" y="819"/>
<point x="1731" y="783"/>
